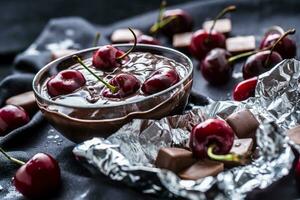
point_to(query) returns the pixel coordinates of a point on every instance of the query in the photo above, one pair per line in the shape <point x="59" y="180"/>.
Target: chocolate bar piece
<point x="62" y="52"/>
<point x="240" y="44"/>
<point x="124" y="35"/>
<point x="242" y="147"/>
<point x="222" y="25"/>
<point x="294" y="134"/>
<point x="182" y="40"/>
<point x="25" y="100"/>
<point x="174" y="159"/>
<point x="202" y="169"/>
<point x="243" y="123"/>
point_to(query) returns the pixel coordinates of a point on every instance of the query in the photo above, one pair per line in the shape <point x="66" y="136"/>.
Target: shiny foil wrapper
<point x="129" y="154"/>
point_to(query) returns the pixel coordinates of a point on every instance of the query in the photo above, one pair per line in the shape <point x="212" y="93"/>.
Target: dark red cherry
<point x="260" y="62"/>
<point x="160" y="80"/>
<point x="202" y="42"/>
<point x="146" y="39"/>
<point x="65" y="82"/>
<point x="286" y="47"/>
<point x="39" y="177"/>
<point x="12" y="117"/>
<point x="106" y="57"/>
<point x="215" y="67"/>
<point x="245" y="89"/>
<point x="212" y="133"/>
<point x="297" y="172"/>
<point x="127" y="84"/>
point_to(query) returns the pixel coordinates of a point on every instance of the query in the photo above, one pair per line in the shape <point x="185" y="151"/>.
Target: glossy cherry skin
<point x="256" y="64"/>
<point x="65" y="82"/>
<point x="215" y="67"/>
<point x="39" y="177"/>
<point x="181" y="23"/>
<point x="211" y="132"/>
<point x="105" y="58"/>
<point x="126" y="83"/>
<point x="146" y="39"/>
<point x="12" y="117"/>
<point x="245" y="89"/>
<point x="286" y="47"/>
<point x="160" y="80"/>
<point x="202" y="43"/>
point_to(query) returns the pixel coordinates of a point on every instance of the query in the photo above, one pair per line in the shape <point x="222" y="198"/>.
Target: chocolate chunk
<point x="240" y="44"/>
<point x="25" y="100"/>
<point x="222" y="25"/>
<point x="174" y="159"/>
<point x="202" y="169"/>
<point x="124" y="35"/>
<point x="294" y="134"/>
<point x="243" y="123"/>
<point x="182" y="40"/>
<point x="242" y="147"/>
<point x="62" y="52"/>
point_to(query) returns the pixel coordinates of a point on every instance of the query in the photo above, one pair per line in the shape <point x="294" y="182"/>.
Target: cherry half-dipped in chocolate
<point x="245" y="89"/>
<point x="112" y="88"/>
<point x="65" y="82"/>
<point x="286" y="47"/>
<point x="127" y="84"/>
<point x="109" y="57"/>
<point x="171" y="22"/>
<point x="146" y="39"/>
<point x="160" y="80"/>
<point x="264" y="60"/>
<point x="213" y="139"/>
<point x="37" y="178"/>
<point x="202" y="41"/>
<point x="217" y="66"/>
<point x="12" y="117"/>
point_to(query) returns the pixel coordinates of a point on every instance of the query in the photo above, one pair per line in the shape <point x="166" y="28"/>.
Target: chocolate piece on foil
<point x="240" y="44"/>
<point x="243" y="123"/>
<point x="174" y="159"/>
<point x="242" y="147"/>
<point x="25" y="100"/>
<point x="182" y="40"/>
<point x="202" y="169"/>
<point x="124" y="35"/>
<point x="222" y="25"/>
<point x="61" y="53"/>
<point x="294" y="134"/>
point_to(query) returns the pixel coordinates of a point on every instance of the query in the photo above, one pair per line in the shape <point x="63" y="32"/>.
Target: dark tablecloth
<point x="252" y="17"/>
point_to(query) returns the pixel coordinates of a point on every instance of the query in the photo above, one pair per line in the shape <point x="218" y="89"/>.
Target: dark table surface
<point x="23" y="21"/>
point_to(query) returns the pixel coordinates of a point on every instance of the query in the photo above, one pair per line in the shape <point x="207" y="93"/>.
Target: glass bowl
<point x="79" y="123"/>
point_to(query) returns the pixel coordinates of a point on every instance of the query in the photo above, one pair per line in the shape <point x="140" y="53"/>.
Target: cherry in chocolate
<point x="160" y="80"/>
<point x="286" y="47"/>
<point x="203" y="41"/>
<point x="65" y="82"/>
<point x="12" y="117"/>
<point x="127" y="84"/>
<point x="171" y="22"/>
<point x="109" y="57"/>
<point x="37" y="178"/>
<point x="245" y="89"/>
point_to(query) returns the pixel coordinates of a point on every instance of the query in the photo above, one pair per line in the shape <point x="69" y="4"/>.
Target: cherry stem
<point x="242" y="55"/>
<point x="19" y="162"/>
<point x="131" y="49"/>
<point x="221" y="14"/>
<point x="112" y="88"/>
<point x="226" y="157"/>
<point x="97" y="38"/>
<point x="288" y="32"/>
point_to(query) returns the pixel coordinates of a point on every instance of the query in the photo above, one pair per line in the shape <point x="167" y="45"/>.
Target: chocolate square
<point x="222" y="25"/>
<point x="294" y="134"/>
<point x="182" y="40"/>
<point x="124" y="35"/>
<point x="25" y="100"/>
<point x="240" y="44"/>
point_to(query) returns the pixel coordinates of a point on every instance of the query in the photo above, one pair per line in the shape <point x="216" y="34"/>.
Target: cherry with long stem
<point x="19" y="162"/>
<point x="131" y="49"/>
<point x="112" y="88"/>
<point x="288" y="32"/>
<point x="221" y="14"/>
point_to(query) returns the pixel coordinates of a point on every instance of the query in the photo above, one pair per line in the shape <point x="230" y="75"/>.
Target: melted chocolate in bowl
<point x="86" y="113"/>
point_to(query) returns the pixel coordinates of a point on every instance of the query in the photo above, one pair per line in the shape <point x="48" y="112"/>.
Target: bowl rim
<point x="35" y="84"/>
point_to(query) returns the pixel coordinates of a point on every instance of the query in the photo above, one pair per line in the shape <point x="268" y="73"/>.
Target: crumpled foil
<point x="128" y="155"/>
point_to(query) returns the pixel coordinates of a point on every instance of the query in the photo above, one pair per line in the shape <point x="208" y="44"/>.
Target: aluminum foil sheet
<point x="127" y="155"/>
